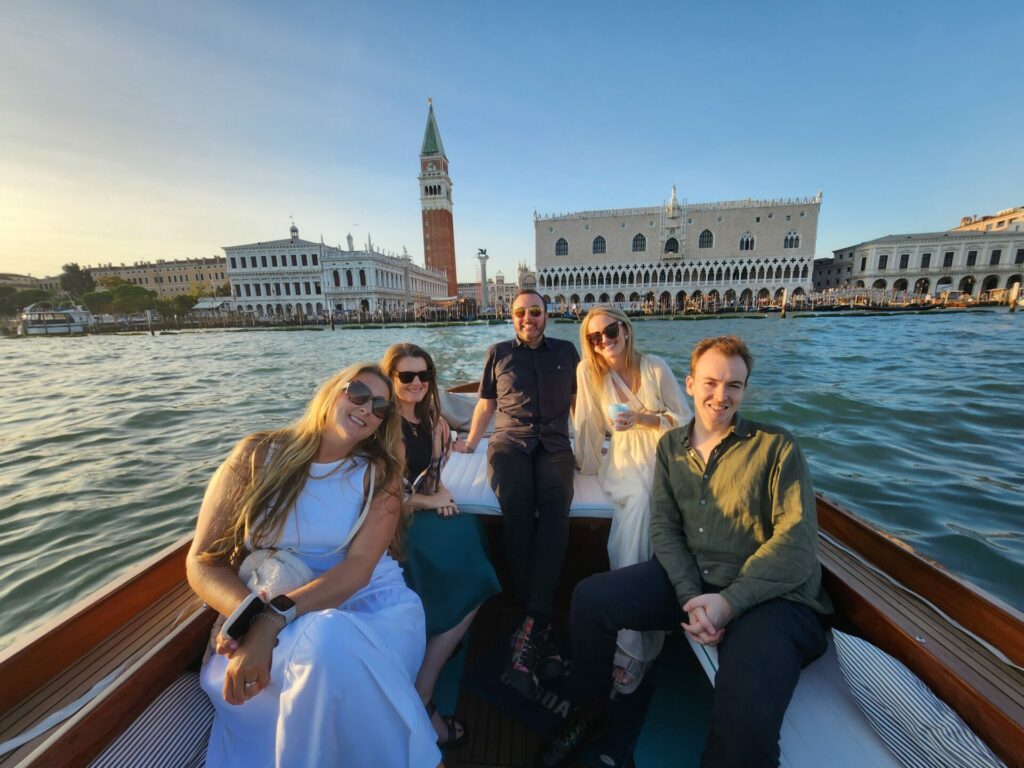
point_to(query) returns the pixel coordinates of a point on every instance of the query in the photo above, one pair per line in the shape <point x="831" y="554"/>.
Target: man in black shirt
<point x="531" y="382"/>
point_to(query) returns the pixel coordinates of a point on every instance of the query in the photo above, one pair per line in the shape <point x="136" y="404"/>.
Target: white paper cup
<point x="614" y="409"/>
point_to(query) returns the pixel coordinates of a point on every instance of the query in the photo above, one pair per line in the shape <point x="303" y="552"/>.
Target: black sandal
<point x="451" y="725"/>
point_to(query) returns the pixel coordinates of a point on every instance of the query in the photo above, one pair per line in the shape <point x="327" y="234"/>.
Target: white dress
<point x="341" y="687"/>
<point x="627" y="471"/>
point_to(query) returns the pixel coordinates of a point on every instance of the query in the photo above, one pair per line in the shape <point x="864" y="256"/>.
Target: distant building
<point x="175" y="277"/>
<point x="1009" y="219"/>
<point x="21" y="282"/>
<point x="927" y="262"/>
<point x="500" y="294"/>
<point x="436" y="202"/>
<point x="737" y="252"/>
<point x="299" y="277"/>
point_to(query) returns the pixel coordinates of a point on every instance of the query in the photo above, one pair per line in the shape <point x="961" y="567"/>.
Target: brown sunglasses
<point x="359" y="393"/>
<point x="610" y="331"/>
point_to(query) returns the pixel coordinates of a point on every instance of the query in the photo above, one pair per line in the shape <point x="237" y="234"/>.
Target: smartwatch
<point x="284" y="607"/>
<point x="237" y="624"/>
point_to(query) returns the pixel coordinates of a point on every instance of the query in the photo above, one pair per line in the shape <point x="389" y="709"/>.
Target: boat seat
<point x="465" y="475"/>
<point x="172" y="732"/>
<point x="824" y="724"/>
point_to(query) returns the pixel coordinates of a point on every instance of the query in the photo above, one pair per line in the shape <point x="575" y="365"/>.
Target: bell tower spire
<point x="436" y="204"/>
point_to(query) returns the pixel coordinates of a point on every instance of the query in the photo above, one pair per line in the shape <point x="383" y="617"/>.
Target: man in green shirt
<point x="734" y="532"/>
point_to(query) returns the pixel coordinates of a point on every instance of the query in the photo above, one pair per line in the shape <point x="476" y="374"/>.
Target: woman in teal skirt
<point x="446" y="561"/>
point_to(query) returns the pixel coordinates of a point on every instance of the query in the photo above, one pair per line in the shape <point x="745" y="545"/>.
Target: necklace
<point x="414" y="427"/>
<point x="329" y="472"/>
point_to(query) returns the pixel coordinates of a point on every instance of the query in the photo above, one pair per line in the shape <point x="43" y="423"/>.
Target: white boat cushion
<point x="823" y="725"/>
<point x="918" y="726"/>
<point x="172" y="732"/>
<point x="465" y="476"/>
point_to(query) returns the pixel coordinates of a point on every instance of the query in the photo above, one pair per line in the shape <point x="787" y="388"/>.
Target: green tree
<point x="223" y="289"/>
<point x="99" y="302"/>
<point x="13" y="301"/>
<point x="132" y="298"/>
<point x="75" y="280"/>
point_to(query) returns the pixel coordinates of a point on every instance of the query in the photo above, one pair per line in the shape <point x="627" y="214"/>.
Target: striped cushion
<point x="172" y="732"/>
<point x="915" y="724"/>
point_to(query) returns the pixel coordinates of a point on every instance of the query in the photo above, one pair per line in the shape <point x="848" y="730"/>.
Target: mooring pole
<point x="1014" y="295"/>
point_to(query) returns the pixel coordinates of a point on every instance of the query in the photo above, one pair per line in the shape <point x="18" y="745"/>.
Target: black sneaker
<point x="521" y="668"/>
<point x="549" y="659"/>
<point x="560" y="747"/>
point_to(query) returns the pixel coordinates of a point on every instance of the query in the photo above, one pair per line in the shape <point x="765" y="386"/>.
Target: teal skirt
<point x="446" y="564"/>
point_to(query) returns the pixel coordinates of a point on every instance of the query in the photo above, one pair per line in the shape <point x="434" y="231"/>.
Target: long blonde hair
<point x="271" y="467"/>
<point x="597" y="367"/>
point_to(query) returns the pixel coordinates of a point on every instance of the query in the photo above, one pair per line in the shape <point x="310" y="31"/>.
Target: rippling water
<point x="916" y="422"/>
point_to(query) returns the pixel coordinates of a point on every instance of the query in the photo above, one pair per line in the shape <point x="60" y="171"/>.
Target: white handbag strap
<point x="366" y="508"/>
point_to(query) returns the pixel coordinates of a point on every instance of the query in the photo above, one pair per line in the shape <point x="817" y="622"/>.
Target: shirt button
<point x="703" y="501"/>
<point x="700" y="530"/>
<point x="705" y="571"/>
<point x="705" y="475"/>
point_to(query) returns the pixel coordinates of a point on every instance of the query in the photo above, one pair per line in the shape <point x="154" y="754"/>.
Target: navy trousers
<point x="759" y="658"/>
<point x="535" y="492"/>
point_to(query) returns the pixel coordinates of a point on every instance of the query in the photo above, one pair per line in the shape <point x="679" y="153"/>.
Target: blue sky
<point x="136" y="131"/>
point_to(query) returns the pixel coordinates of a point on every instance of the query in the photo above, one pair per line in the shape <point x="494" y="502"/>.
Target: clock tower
<point x="436" y="202"/>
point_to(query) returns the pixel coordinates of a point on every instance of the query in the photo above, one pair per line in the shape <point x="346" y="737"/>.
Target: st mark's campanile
<point x="436" y="201"/>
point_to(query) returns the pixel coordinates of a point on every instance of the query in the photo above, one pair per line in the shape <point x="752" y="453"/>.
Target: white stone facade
<point x="294" y="277"/>
<point x="928" y="262"/>
<point x="731" y="253"/>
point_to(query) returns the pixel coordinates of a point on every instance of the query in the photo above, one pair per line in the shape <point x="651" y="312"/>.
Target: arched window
<point x="562" y="247"/>
<point x="348" y="277"/>
<point x="671" y="245"/>
<point x="792" y="239"/>
<point x="639" y="243"/>
<point x="362" y="277"/>
<point x="747" y="242"/>
<point x="707" y="240"/>
<point x="599" y="245"/>
<point x="337" y="279"/>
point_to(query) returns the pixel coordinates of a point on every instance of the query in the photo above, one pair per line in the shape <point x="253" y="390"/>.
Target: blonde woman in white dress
<point x="636" y="398"/>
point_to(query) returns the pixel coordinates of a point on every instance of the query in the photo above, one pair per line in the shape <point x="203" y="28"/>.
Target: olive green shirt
<point x="745" y="523"/>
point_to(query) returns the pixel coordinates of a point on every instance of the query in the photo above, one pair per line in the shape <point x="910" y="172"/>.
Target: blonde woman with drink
<point x="636" y="399"/>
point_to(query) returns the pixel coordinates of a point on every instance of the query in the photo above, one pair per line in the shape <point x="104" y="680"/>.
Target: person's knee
<point x="588" y="605"/>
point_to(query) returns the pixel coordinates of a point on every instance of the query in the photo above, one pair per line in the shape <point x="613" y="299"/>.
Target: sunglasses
<point x="406" y="377"/>
<point x="359" y="393"/>
<point x="521" y="311"/>
<point x="610" y="331"/>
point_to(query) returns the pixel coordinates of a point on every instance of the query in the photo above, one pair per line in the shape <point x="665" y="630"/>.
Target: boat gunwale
<point x="59" y="643"/>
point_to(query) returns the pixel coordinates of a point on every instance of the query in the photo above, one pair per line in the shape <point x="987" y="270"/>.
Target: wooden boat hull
<point x="914" y="620"/>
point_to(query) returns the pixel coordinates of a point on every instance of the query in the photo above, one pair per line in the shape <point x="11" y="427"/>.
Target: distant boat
<point x="42" y="319"/>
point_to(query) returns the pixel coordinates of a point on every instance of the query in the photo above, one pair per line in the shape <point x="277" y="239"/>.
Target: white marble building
<point x="729" y="253"/>
<point x="928" y="262"/>
<point x="298" y="277"/>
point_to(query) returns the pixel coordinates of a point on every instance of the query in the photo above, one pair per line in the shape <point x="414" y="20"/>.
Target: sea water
<point x="915" y="422"/>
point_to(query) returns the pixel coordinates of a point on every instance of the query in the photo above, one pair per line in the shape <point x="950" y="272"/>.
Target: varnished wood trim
<point x="84" y="736"/>
<point x="886" y="629"/>
<point x="973" y="608"/>
<point x="57" y="645"/>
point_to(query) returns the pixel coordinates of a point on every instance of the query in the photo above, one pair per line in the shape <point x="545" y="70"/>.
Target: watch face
<point x="282" y="603"/>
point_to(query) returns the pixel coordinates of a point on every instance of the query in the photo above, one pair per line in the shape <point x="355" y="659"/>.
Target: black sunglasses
<point x="535" y="311"/>
<point x="359" y="393"/>
<point x="610" y="331"/>
<point x="406" y="377"/>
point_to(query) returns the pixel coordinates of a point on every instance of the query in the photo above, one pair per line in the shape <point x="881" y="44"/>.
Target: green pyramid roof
<point x="432" y="136"/>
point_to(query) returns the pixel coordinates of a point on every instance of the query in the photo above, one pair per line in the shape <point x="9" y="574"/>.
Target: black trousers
<point x="534" y="491"/>
<point x="759" y="659"/>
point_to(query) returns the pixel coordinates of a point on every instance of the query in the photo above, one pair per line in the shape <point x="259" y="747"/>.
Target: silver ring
<point x="250" y="685"/>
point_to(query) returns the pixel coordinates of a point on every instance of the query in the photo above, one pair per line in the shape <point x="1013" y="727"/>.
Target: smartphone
<point x="237" y="624"/>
